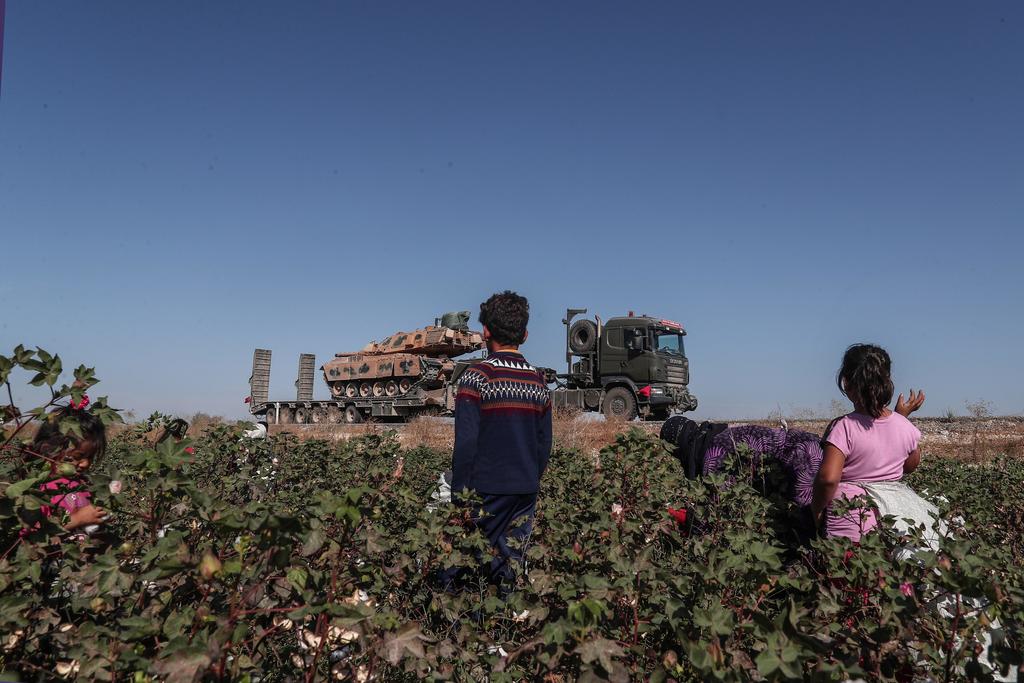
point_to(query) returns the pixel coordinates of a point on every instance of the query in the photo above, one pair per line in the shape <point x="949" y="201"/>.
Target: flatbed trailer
<point x="335" y="411"/>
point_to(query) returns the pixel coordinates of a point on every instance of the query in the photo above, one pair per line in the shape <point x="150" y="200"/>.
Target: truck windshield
<point x="669" y="342"/>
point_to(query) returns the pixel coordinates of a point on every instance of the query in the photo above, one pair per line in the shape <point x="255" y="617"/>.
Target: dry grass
<point x="973" y="440"/>
<point x="569" y="429"/>
<point x="429" y="432"/>
<point x="574" y="430"/>
<point x="963" y="438"/>
<point x="200" y="423"/>
<point x="334" y="432"/>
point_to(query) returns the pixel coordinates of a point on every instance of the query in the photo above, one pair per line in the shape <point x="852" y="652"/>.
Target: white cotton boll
<point x="309" y="640"/>
<point x="618" y="513"/>
<point x="336" y="634"/>
<point x="13" y="639"/>
<point x="497" y="650"/>
<point x="68" y="668"/>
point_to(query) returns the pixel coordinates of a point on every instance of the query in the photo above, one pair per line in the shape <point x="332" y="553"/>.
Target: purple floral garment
<point x="798" y="452"/>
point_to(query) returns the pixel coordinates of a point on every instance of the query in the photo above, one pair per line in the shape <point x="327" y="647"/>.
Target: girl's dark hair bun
<point x="865" y="377"/>
<point x="51" y="441"/>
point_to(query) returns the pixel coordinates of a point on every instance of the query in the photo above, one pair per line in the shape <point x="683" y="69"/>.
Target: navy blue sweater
<point x="502" y="426"/>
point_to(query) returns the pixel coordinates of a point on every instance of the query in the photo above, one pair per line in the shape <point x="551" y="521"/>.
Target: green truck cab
<point x="625" y="367"/>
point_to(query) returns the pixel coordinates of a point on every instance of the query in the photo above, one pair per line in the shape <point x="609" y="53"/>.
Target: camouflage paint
<point x="402" y="355"/>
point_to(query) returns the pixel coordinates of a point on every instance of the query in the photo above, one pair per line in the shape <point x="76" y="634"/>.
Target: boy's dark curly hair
<point x="506" y="314"/>
<point x="51" y="442"/>
<point x="176" y="429"/>
<point x="865" y="377"/>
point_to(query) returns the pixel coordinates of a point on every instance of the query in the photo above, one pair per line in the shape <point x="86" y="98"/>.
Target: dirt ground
<point x="962" y="438"/>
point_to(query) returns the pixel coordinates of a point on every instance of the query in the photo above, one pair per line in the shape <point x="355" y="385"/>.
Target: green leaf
<point x="182" y="666"/>
<point x="407" y="641"/>
<point x="6" y="365"/>
<point x="18" y="488"/>
<point x="767" y="663"/>
<point x="601" y="650"/>
<point x="314" y="541"/>
<point x="297" y="577"/>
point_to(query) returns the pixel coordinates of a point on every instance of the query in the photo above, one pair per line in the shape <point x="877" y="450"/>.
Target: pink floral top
<point x="69" y="495"/>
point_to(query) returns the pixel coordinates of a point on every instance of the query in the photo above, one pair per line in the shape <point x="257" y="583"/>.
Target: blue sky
<point x="182" y="182"/>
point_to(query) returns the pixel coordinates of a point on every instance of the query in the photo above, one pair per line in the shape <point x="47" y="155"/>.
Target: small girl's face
<point x="82" y="454"/>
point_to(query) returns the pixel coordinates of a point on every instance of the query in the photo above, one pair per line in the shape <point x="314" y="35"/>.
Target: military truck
<point x="626" y="367"/>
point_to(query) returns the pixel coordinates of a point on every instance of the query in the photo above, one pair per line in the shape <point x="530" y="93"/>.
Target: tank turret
<point x="393" y="366"/>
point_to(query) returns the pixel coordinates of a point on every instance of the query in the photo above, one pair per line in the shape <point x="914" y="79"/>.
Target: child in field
<point x="502" y="435"/>
<point x="70" y="457"/>
<point x="176" y="429"/>
<point x="866" y="451"/>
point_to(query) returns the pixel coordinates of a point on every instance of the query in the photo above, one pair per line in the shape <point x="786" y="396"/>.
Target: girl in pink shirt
<point x="872" y="444"/>
<point x="69" y="498"/>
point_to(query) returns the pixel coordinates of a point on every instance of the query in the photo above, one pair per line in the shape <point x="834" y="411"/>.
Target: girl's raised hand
<point x="905" y="408"/>
<point x="90" y="514"/>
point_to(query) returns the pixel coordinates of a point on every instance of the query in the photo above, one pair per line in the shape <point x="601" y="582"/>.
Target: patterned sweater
<point x="502" y="426"/>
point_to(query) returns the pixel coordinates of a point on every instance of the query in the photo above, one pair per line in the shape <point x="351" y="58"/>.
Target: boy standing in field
<point x="502" y="432"/>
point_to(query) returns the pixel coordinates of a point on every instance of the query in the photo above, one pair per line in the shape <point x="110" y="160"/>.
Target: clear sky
<point x="182" y="182"/>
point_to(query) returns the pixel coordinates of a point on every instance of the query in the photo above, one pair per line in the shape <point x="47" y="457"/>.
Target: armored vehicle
<point x="406" y="374"/>
<point x="626" y="367"/>
<point x="395" y="365"/>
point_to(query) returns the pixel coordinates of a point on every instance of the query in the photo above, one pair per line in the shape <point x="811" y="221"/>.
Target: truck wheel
<point x="403" y="385"/>
<point x="391" y="388"/>
<point x="364" y="389"/>
<point x="583" y="336"/>
<point x="351" y="390"/>
<point x="352" y="415"/>
<point x="619" y="404"/>
<point x="378" y="388"/>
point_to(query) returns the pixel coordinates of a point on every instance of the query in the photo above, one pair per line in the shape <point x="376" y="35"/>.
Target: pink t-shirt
<point x="70" y="496"/>
<point x="875" y="450"/>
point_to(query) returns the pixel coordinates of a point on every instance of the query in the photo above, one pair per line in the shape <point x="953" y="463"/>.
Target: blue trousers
<point x="507" y="522"/>
<point x="505" y="518"/>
